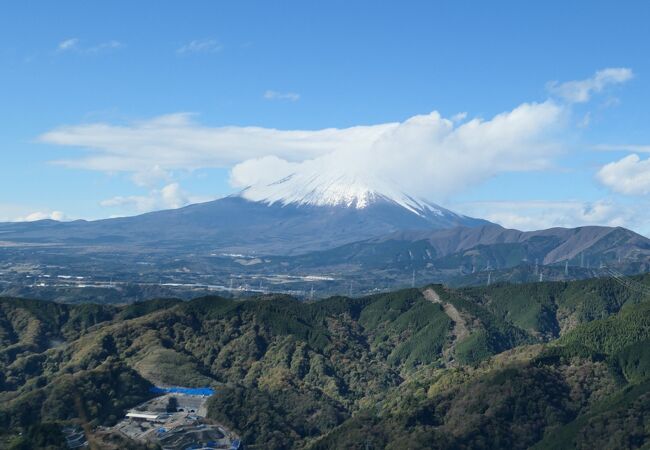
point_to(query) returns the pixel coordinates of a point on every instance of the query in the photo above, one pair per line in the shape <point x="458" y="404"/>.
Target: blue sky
<point x="75" y="74"/>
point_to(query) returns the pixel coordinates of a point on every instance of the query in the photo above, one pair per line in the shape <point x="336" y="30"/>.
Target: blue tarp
<point x="181" y="390"/>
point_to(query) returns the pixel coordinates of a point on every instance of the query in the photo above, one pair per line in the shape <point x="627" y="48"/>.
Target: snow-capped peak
<point x="321" y="189"/>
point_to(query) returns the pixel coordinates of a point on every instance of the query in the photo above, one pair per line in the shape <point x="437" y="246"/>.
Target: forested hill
<point x="544" y="365"/>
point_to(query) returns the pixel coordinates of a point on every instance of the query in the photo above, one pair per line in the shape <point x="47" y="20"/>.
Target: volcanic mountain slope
<point x="552" y="365"/>
<point x="237" y="224"/>
<point x="341" y="230"/>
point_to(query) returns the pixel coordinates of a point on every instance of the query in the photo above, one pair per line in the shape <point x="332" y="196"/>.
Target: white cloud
<point x="427" y="155"/>
<point x="459" y="117"/>
<point x="536" y="215"/>
<point x="623" y="147"/>
<point x="275" y="95"/>
<point x="175" y="141"/>
<point x="151" y="177"/>
<point x="265" y="170"/>
<point x="68" y="44"/>
<point x="170" y="196"/>
<point x="580" y="91"/>
<point x="74" y="45"/>
<point x="200" y="46"/>
<point x="41" y="215"/>
<point x="629" y="175"/>
<point x="109" y="45"/>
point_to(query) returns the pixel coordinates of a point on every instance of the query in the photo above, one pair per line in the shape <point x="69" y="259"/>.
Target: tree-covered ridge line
<point x="292" y="374"/>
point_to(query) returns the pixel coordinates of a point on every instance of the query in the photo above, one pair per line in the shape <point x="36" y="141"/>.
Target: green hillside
<point x="505" y="366"/>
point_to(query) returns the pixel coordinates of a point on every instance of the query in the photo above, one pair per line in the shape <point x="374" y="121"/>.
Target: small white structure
<point x="145" y="416"/>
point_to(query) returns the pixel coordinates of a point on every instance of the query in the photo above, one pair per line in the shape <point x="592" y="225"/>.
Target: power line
<point x="627" y="282"/>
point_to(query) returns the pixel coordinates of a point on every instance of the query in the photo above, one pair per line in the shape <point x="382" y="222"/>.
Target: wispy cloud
<point x="542" y="214"/>
<point x="75" y="45"/>
<point x="109" y="45"/>
<point x="275" y="95"/>
<point x="68" y="45"/>
<point x="580" y="91"/>
<point x="170" y="196"/>
<point x="623" y="148"/>
<point x="41" y="215"/>
<point x="428" y="155"/>
<point x="200" y="46"/>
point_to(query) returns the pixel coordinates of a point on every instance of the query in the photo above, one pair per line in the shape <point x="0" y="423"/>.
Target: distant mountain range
<point x="490" y="247"/>
<point x="323" y="238"/>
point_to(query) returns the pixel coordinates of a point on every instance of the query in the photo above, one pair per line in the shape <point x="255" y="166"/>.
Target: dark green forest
<point x="543" y="365"/>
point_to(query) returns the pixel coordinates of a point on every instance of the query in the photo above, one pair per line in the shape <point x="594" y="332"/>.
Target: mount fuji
<point x="297" y="214"/>
<point x="300" y="232"/>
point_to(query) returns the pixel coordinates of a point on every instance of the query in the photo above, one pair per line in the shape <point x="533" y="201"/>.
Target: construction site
<point x="176" y="421"/>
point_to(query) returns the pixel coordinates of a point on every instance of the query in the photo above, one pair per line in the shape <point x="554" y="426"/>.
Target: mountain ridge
<point x="575" y="240"/>
<point x="380" y="371"/>
<point x="235" y="223"/>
